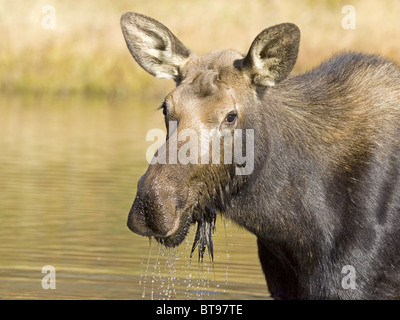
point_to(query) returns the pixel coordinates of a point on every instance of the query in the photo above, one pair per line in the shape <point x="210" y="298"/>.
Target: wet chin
<point x="177" y="237"/>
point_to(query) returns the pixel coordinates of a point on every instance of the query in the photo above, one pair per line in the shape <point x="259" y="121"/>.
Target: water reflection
<point x="69" y="169"/>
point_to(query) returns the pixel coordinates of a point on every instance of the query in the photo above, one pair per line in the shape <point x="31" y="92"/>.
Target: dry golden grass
<point x="86" y="53"/>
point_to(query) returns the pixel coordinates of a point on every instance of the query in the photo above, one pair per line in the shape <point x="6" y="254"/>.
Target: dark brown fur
<point x="325" y="189"/>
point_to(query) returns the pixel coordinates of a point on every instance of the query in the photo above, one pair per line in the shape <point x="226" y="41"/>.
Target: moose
<point x="323" y="196"/>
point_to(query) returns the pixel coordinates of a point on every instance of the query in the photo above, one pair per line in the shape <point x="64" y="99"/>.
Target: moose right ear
<point x="153" y="46"/>
<point x="272" y="54"/>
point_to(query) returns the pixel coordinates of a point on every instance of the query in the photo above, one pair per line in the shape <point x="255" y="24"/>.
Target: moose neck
<point x="285" y="192"/>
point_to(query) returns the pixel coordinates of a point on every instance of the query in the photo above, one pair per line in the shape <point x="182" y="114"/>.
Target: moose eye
<point x="231" y="118"/>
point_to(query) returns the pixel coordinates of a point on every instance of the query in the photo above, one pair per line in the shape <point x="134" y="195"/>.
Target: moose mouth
<point x="205" y="220"/>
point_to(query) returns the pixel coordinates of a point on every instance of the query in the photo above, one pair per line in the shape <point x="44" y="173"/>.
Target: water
<point x="69" y="169"/>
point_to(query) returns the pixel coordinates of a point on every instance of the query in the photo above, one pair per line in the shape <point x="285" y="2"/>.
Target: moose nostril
<point x="153" y="215"/>
<point x="136" y="221"/>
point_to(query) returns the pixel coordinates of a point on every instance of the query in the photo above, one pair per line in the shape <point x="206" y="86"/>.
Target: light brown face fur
<point x="206" y="94"/>
<point x="201" y="102"/>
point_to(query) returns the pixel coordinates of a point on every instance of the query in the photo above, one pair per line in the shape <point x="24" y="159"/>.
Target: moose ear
<point x="153" y="46"/>
<point x="272" y="54"/>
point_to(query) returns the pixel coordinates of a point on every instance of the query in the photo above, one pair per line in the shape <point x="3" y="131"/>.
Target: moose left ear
<point x="272" y="54"/>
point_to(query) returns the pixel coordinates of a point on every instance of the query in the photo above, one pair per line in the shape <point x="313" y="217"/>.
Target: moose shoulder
<point x="323" y="193"/>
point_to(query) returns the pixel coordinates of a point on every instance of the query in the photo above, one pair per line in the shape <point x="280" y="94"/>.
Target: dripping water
<point x="147" y="270"/>
<point x="172" y="272"/>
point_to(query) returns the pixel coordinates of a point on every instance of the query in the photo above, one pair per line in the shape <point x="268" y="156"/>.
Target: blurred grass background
<point x="86" y="53"/>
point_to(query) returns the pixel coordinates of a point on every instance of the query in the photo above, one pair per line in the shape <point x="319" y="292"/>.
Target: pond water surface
<point x="68" y="174"/>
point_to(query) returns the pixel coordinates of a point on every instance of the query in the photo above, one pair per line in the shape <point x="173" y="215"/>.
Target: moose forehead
<point x="204" y="70"/>
<point x="206" y="80"/>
